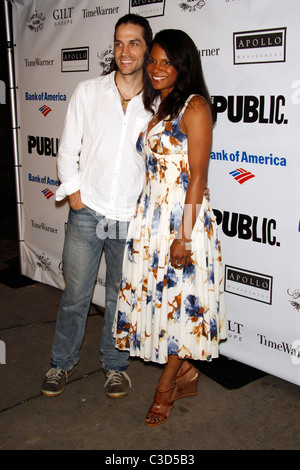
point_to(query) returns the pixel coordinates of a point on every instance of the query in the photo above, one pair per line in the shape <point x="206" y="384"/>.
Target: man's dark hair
<point x="138" y="21"/>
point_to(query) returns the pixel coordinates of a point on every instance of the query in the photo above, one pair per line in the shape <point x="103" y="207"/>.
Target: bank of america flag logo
<point x="241" y="176"/>
<point x="47" y="193"/>
<point x="45" y="110"/>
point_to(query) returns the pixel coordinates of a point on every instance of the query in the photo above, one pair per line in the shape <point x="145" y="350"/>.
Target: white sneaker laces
<point x="115" y="377"/>
<point x="54" y="375"/>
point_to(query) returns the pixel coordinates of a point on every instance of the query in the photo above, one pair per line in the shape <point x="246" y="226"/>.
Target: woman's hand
<point x="180" y="255"/>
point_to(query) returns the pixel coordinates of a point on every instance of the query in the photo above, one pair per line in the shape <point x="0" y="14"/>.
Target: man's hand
<point x="75" y="201"/>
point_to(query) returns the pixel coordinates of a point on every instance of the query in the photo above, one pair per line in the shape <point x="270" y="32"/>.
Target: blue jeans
<point x="88" y="234"/>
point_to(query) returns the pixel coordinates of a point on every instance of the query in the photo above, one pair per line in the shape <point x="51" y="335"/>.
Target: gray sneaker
<point x="55" y="381"/>
<point x="117" y="384"/>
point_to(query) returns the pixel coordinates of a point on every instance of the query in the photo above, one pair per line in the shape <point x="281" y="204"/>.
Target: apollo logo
<point x="241" y="176"/>
<point x="250" y="284"/>
<point x="148" y="8"/>
<point x="256" y="47"/>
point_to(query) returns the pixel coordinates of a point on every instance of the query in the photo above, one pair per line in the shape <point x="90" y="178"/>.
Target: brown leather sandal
<point x="187" y="382"/>
<point x="161" y="407"/>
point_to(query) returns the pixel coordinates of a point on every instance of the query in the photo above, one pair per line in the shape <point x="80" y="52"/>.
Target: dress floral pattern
<point x="162" y="310"/>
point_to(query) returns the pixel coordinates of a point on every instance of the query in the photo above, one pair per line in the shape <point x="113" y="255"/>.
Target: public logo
<point x="47" y="193"/>
<point x="241" y="176"/>
<point x="261" y="46"/>
<point x="147" y="8"/>
<point x="251" y="109"/>
<point x="249" y="284"/>
<point x="45" y="110"/>
<point x="191" y="5"/>
<point x="35" y="21"/>
<point x="246" y="227"/>
<point x="47" y="146"/>
<point x="75" y="59"/>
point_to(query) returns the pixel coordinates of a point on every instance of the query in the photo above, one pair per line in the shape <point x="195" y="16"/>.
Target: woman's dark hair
<point x="184" y="56"/>
<point x="138" y="21"/>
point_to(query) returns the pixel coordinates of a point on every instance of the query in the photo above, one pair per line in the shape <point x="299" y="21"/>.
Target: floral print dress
<point x="162" y="310"/>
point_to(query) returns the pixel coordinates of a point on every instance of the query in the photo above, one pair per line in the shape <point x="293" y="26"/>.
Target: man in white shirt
<point x="102" y="175"/>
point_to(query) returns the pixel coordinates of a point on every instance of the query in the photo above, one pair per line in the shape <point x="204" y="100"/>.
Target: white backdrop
<point x="250" y="57"/>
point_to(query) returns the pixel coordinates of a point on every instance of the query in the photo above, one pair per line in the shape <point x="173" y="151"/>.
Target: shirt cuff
<point x="66" y="188"/>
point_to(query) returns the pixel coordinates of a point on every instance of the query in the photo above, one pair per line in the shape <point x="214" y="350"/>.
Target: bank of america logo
<point x="241" y="176"/>
<point x="47" y="193"/>
<point x="45" y="110"/>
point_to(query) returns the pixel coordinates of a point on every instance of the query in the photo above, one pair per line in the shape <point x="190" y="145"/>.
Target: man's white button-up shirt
<point x="97" y="151"/>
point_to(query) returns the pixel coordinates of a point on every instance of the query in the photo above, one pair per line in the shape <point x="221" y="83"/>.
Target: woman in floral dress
<point x="171" y="299"/>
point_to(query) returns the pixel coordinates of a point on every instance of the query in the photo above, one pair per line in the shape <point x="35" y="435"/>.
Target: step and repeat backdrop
<point x="250" y="56"/>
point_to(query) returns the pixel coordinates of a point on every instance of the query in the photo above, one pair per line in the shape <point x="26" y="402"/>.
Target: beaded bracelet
<point x="185" y="244"/>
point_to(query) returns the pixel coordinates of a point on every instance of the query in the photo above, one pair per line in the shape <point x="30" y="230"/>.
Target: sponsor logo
<point x="234" y="330"/>
<point x="241" y="176"/>
<point x="62" y="16"/>
<point x="147" y="8"/>
<point x="38" y="62"/>
<point x="99" y="11"/>
<point x="43" y="262"/>
<point x="47" y="193"/>
<point x="42" y="180"/>
<point x="251" y="109"/>
<point x="105" y="58"/>
<point x="45" y="110"/>
<point x="43" y="226"/>
<point x="191" y="5"/>
<point x="35" y="21"/>
<point x="47" y="146"/>
<point x="258" y="47"/>
<point x="244" y="157"/>
<point x="44" y="96"/>
<point x="245" y="227"/>
<point x="248" y="284"/>
<point x="209" y="52"/>
<point x="75" y="59"/>
<point x="292" y="350"/>
<point x="295" y="294"/>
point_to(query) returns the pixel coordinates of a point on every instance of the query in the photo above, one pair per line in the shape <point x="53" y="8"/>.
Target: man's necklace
<point x="124" y="101"/>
